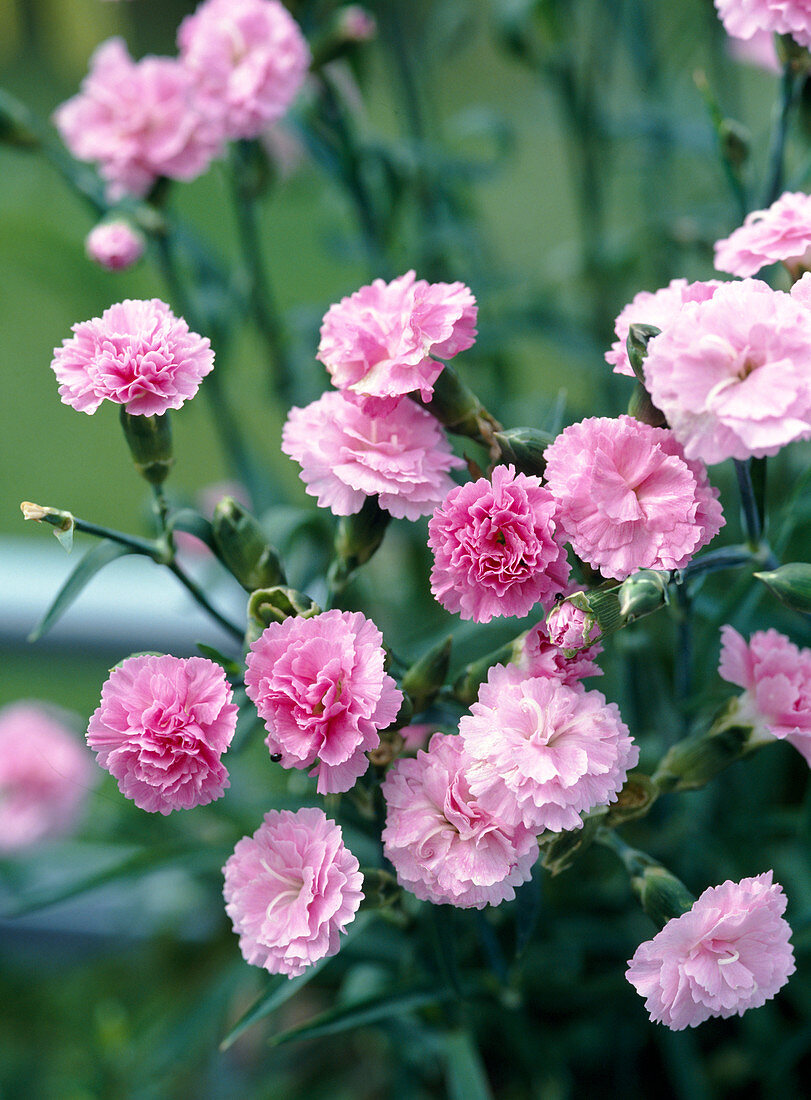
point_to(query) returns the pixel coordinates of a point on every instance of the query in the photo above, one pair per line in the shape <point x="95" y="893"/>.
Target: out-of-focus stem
<point x="788" y="91"/>
<point x="751" y="516"/>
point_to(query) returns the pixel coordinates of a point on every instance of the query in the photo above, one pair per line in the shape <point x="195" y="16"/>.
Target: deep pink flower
<point x="541" y="656"/>
<point x="163" y="724"/>
<point x="780" y="234"/>
<point x="345" y="455"/>
<point x="136" y="354"/>
<point x="776" y="677"/>
<point x="544" y="752"/>
<point x="744" y="18"/>
<point x="114" y="245"/>
<point x="728" y="953"/>
<point x="378" y="343"/>
<point x="628" y="498"/>
<point x="319" y="687"/>
<point x="45" y="775"/>
<point x="247" y="60"/>
<point x="445" y="847"/>
<point x="290" y="890"/>
<point x="658" y="309"/>
<point x="137" y="121"/>
<point x="733" y="375"/>
<point x="497" y="547"/>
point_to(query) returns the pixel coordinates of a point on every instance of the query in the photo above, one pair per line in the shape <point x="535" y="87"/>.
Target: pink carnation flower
<point x="378" y="343"/>
<point x="445" y="847"/>
<point x="628" y="498"/>
<point x="137" y="121"/>
<point x="497" y="547"/>
<point x="543" y="752"/>
<point x="572" y="628"/>
<point x="163" y="724"/>
<point x="416" y="735"/>
<point x="776" y="677"/>
<point x="758" y="50"/>
<point x="541" y="656"/>
<point x="290" y="891"/>
<point x="136" y="354"/>
<point x="45" y="776"/>
<point x="346" y="455"/>
<point x="781" y="233"/>
<point x="728" y="953"/>
<point x="247" y="60"/>
<point x="744" y="18"/>
<point x="733" y="375"/>
<point x="659" y="309"/>
<point x="319" y="687"/>
<point x="114" y="245"/>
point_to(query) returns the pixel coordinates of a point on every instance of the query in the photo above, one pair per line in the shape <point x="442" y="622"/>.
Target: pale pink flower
<point x="572" y="628"/>
<point x="136" y="354"/>
<point x="320" y="688"/>
<point x="758" y="50"/>
<point x="416" y="735"/>
<point x="378" y="343"/>
<point x="729" y="952"/>
<point x="628" y="498"/>
<point x="356" y="24"/>
<point x="290" y="890"/>
<point x="137" y="121"/>
<point x="541" y="656"/>
<point x="544" y="752"/>
<point x="497" y="547"/>
<point x="782" y="233"/>
<point x="45" y="775"/>
<point x="114" y="245"/>
<point x="247" y="60"/>
<point x="733" y="375"/>
<point x="346" y="455"/>
<point x="445" y="847"/>
<point x="161" y="728"/>
<point x="659" y="309"/>
<point x="744" y="18"/>
<point x="776" y="677"/>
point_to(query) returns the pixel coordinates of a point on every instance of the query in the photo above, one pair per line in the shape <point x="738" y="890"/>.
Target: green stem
<point x="260" y="294"/>
<point x="150" y="548"/>
<point x="788" y="90"/>
<point x="727" y="557"/>
<point x="200" y="597"/>
<point x="751" y="516"/>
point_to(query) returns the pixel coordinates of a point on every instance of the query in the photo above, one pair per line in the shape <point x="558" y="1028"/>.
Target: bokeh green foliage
<point x="557" y="157"/>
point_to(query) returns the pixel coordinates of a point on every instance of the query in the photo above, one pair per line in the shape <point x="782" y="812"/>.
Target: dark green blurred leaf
<point x="94" y="560"/>
<point x="467" y="1079"/>
<point x="229" y="666"/>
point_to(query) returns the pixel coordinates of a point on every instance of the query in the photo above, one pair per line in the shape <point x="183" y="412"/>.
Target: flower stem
<point x="788" y="93"/>
<point x="751" y="515"/>
<point x="200" y="597"/>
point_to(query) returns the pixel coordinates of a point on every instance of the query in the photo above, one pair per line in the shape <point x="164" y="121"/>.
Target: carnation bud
<point x="274" y="605"/>
<point x="62" y="522"/>
<point x="643" y="593"/>
<point x="572" y="625"/>
<point x="458" y="408"/>
<point x="634" y="800"/>
<point x="427" y="675"/>
<point x="467" y="683"/>
<point x="641" y="408"/>
<point x="358" y="537"/>
<point x="150" y="443"/>
<point x="639" y="336"/>
<point x="662" y="895"/>
<point x="350" y="25"/>
<point x="693" y="762"/>
<point x="243" y="547"/>
<point x="791" y="584"/>
<point x="114" y="245"/>
<point x="523" y="448"/>
<point x="562" y="849"/>
<point x="735" y="142"/>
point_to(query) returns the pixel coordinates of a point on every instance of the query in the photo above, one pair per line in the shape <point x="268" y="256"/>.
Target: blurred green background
<point x="558" y="158"/>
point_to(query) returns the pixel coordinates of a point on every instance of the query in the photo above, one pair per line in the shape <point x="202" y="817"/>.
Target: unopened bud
<point x="639" y="336"/>
<point x="62" y="522"/>
<point x="572" y="625"/>
<point x="523" y="448"/>
<point x="641" y="408"/>
<point x="791" y="584"/>
<point x="427" y="675"/>
<point x="243" y="547"/>
<point x="663" y="896"/>
<point x="114" y="245"/>
<point x="274" y="605"/>
<point x="150" y="443"/>
<point x="634" y="800"/>
<point x="459" y="409"/>
<point x="693" y="762"/>
<point x="643" y="593"/>
<point x="358" y="537"/>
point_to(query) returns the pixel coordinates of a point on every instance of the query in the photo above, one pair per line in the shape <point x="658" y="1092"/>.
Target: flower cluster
<point x="776" y="678"/>
<point x="628" y="498"/>
<point x="45" y="776"/>
<point x="161" y="728"/>
<point x="729" y="953"/>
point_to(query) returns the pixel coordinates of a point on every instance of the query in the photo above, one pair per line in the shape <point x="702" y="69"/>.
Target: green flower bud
<point x="243" y="547"/>
<point x="791" y="584"/>
<point x="662" y="895"/>
<point x="639" y="336"/>
<point x="634" y="800"/>
<point x="358" y="537"/>
<point x="523" y="448"/>
<point x="150" y="443"/>
<point x="641" y="408"/>
<point x="427" y="675"/>
<point x="467" y="683"/>
<point x="643" y="593"/>
<point x="693" y="762"/>
<point x="274" y="605"/>
<point x="562" y="849"/>
<point x="735" y="142"/>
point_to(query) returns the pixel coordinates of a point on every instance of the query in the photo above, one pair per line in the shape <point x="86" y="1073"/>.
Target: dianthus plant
<point x="404" y="727"/>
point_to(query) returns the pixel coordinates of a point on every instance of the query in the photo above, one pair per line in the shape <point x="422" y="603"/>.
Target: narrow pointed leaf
<point x="370" y="1010"/>
<point x="95" y="559"/>
<point x="466" y="1075"/>
<point x="283" y="988"/>
<point x="228" y="665"/>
